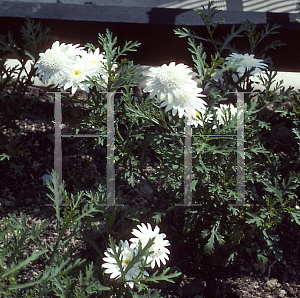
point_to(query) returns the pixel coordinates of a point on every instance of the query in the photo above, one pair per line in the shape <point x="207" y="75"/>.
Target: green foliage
<point x="216" y="226"/>
<point x="14" y="82"/>
<point x="163" y="276"/>
<point x="66" y="275"/>
<point x="256" y="38"/>
<point x="155" y="294"/>
<point x="252" y="36"/>
<point x="124" y="74"/>
<point x="222" y="225"/>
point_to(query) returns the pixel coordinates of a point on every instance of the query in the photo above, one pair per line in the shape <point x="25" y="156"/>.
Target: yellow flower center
<point x="126" y="261"/>
<point x="76" y="72"/>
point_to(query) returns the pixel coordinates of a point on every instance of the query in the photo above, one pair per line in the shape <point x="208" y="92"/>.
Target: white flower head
<point x="127" y="254"/>
<point x="248" y="61"/>
<point x="225" y="113"/>
<point x="159" y="246"/>
<point x="167" y="81"/>
<point x="54" y="60"/>
<point x="95" y="60"/>
<point x="75" y="74"/>
<point x="186" y="103"/>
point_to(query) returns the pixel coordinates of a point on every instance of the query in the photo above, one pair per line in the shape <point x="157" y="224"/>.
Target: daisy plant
<point x="246" y="64"/>
<point x="154" y="124"/>
<point x="126" y="263"/>
<point x="150" y="133"/>
<point x="229" y="70"/>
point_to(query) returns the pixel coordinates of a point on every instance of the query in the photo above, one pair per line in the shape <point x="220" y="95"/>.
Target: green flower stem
<point x="18" y="78"/>
<point x="226" y="82"/>
<point x="28" y="81"/>
<point x="118" y="134"/>
<point x="211" y="40"/>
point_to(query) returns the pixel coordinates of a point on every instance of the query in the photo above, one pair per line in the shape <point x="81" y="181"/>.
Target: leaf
<point x="259" y="220"/>
<point x="209" y="246"/>
<point x="199" y="58"/>
<point x="228" y="39"/>
<point x="157" y="217"/>
<point x="286" y="188"/>
<point x="34" y="256"/>
<point x="163" y="276"/>
<point x="296" y="132"/>
<point x="187" y="33"/>
<point x="4" y="156"/>
<point x="10" y="47"/>
<point x="261" y="258"/>
<point x="295" y="216"/>
<point x="34" y="38"/>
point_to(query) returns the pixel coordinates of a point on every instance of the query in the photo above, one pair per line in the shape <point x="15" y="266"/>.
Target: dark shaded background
<point x="159" y="44"/>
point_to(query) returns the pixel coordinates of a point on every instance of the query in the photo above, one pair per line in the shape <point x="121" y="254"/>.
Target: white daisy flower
<point x="167" y="81"/>
<point x="158" y="248"/>
<point x="127" y="254"/>
<point x="55" y="59"/>
<point x="225" y="113"/>
<point x="95" y="60"/>
<point x="75" y="74"/>
<point x="247" y="63"/>
<point x="186" y="103"/>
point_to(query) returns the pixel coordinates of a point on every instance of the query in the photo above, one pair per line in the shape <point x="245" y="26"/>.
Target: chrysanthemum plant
<point x="143" y="129"/>
<point x="154" y="128"/>
<point x="66" y="274"/>
<point x="223" y="226"/>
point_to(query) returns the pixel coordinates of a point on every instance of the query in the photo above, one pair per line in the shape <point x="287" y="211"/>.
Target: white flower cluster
<point x="224" y="115"/>
<point x="69" y="65"/>
<point x="174" y="87"/>
<point x="128" y="251"/>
